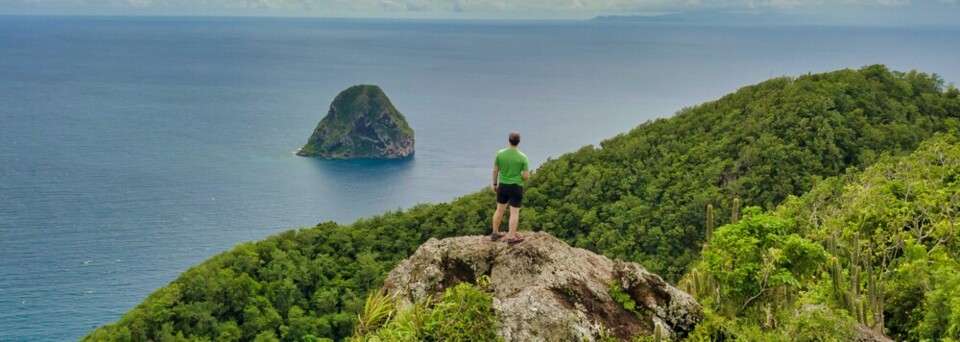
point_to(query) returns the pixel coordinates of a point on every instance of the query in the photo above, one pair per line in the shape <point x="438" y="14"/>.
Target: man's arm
<point x="496" y="173"/>
<point x="526" y="168"/>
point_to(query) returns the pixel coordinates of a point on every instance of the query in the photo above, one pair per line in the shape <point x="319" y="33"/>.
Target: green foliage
<point x="376" y="312"/>
<point x="640" y="197"/>
<point x="896" y="234"/>
<point x="712" y="327"/>
<point x="760" y="261"/>
<point x="889" y="262"/>
<point x="657" y="336"/>
<point x="941" y="305"/>
<point x="465" y="313"/>
<point x="807" y="323"/>
<point x="819" y="324"/>
<point x="623" y="298"/>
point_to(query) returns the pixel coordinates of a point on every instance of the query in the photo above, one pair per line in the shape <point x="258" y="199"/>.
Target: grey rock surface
<point x="863" y="333"/>
<point x="545" y="290"/>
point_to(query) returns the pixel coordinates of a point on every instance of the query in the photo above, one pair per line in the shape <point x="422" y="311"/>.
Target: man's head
<point x="514" y="138"/>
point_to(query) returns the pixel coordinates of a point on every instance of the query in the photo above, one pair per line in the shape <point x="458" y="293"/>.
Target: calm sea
<point x="134" y="148"/>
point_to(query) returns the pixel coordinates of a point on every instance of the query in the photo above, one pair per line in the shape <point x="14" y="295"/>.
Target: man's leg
<point x="497" y="216"/>
<point x="514" y="221"/>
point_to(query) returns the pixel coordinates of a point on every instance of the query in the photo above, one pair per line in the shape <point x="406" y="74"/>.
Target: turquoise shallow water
<point x="134" y="148"/>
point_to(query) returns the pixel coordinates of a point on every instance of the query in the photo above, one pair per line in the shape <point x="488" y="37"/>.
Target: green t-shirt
<point x="512" y="163"/>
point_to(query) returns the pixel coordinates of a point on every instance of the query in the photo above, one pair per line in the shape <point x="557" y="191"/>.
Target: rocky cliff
<point x="545" y="290"/>
<point x="361" y="123"/>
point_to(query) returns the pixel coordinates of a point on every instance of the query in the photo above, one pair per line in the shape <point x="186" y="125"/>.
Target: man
<point x="510" y="169"/>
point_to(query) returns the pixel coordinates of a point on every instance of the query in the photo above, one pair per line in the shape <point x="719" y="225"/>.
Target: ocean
<point x="132" y="148"/>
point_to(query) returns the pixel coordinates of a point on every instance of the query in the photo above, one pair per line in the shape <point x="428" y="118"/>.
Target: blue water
<point x="133" y="148"/>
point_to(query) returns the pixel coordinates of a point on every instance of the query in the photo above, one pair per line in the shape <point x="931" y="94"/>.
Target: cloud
<point x="395" y="7"/>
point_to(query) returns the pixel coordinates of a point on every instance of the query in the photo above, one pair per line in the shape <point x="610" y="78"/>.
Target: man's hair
<point x="514" y="138"/>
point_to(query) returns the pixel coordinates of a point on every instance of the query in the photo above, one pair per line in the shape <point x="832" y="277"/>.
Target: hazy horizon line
<point x="627" y="19"/>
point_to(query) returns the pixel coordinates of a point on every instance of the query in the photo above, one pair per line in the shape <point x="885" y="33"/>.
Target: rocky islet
<point x="362" y="123"/>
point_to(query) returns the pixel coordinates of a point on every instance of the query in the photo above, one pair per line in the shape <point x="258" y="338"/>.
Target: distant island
<point x="362" y="123"/>
<point x="712" y="18"/>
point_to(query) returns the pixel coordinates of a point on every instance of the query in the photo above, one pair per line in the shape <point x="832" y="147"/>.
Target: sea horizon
<point x="591" y="20"/>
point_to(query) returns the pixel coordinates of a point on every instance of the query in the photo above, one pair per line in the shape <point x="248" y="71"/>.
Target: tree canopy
<point x="878" y="247"/>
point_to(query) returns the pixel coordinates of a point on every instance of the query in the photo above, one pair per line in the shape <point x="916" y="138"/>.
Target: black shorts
<point x="511" y="193"/>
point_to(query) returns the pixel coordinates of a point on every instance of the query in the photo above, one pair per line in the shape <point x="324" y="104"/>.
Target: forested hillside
<point x="878" y="247"/>
<point x="640" y="196"/>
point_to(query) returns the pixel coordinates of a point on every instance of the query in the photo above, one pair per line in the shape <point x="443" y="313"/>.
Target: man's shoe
<point x="495" y="236"/>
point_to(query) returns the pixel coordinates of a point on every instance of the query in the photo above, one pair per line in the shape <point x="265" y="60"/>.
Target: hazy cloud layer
<point x="426" y="8"/>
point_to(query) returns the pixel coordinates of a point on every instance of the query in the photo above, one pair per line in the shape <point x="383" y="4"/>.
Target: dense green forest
<point x="640" y="196"/>
<point x="878" y="247"/>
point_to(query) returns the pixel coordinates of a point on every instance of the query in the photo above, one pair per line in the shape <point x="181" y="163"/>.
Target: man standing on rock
<point x="510" y="169"/>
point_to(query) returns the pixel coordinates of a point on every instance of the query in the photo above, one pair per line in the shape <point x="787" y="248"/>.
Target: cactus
<point x="709" y="223"/>
<point x="836" y="275"/>
<point x="768" y="316"/>
<point x="735" y="211"/>
<point x="720" y="301"/>
<point x="657" y="332"/>
<point x="835" y="268"/>
<point x="874" y="294"/>
<point x="856" y="309"/>
<point x="863" y="311"/>
<point x="871" y="286"/>
<point x="866" y="307"/>
<point x="695" y="279"/>
<point x="855" y="265"/>
<point x="832" y="243"/>
<point x="699" y="285"/>
<point x="690" y="285"/>
<point x="878" y="324"/>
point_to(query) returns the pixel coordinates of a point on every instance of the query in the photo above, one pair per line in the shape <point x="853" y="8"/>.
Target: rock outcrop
<point x="863" y="333"/>
<point x="545" y="290"/>
<point x="361" y="123"/>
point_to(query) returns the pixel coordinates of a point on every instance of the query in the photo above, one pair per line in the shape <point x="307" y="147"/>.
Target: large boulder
<point x="361" y="123"/>
<point x="545" y="290"/>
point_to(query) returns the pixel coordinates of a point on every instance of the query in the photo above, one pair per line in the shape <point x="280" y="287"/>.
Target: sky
<point x="908" y="12"/>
